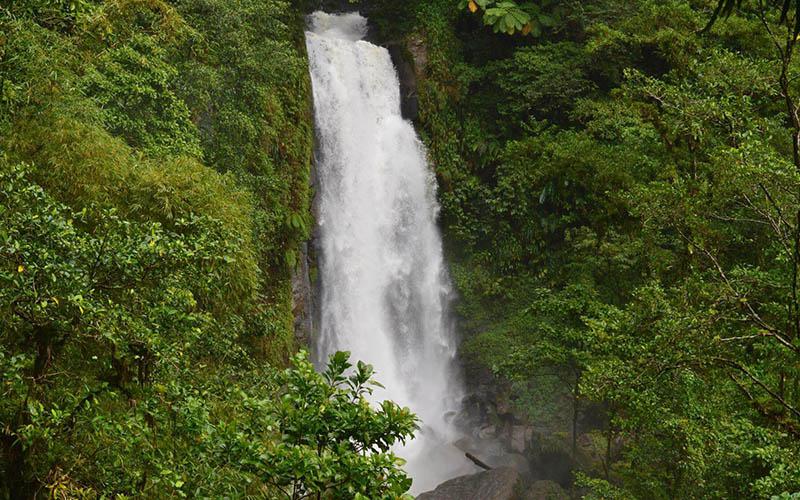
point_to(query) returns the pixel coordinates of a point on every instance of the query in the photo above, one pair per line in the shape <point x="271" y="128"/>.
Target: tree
<point x="154" y="161"/>
<point x="330" y="440"/>
<point x="102" y="337"/>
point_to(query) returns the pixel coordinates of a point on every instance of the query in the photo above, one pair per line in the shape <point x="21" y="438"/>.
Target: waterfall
<point x="384" y="288"/>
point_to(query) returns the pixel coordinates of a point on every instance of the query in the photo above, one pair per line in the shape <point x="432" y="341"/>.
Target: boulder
<point x="545" y="490"/>
<point x="519" y="438"/>
<point x="496" y="484"/>
<point x="503" y="405"/>
<point x="590" y="454"/>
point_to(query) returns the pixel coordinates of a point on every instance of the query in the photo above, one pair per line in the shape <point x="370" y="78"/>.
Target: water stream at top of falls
<point x="384" y="288"/>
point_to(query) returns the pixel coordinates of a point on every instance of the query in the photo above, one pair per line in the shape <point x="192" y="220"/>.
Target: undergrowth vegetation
<point x="154" y="165"/>
<point x="619" y="197"/>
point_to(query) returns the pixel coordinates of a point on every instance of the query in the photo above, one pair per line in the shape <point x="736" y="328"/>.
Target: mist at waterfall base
<point x="384" y="287"/>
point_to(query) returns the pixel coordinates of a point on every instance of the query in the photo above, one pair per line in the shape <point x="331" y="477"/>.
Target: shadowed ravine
<point x="384" y="287"/>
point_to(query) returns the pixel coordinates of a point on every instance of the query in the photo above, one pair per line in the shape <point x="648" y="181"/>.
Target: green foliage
<point x="99" y="311"/>
<point x="249" y="93"/>
<point x="108" y="357"/>
<point x="133" y="84"/>
<point x="511" y="17"/>
<point x="544" y="81"/>
<point x="175" y="83"/>
<point x="102" y="339"/>
<point x="147" y="204"/>
<point x="619" y="198"/>
<point x="332" y="439"/>
<point x="56" y="14"/>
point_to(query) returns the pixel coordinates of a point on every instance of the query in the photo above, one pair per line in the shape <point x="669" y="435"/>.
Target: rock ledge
<point x="503" y="483"/>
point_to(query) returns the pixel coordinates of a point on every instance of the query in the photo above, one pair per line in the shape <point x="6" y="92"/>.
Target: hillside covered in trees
<point x="620" y="194"/>
<point x="619" y="183"/>
<point x="153" y="194"/>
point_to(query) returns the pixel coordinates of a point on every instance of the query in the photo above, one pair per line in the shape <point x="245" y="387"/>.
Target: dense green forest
<point x="621" y="199"/>
<point x="620" y="192"/>
<point x="153" y="192"/>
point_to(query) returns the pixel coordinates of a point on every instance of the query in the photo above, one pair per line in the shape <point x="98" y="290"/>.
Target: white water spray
<point x="385" y="290"/>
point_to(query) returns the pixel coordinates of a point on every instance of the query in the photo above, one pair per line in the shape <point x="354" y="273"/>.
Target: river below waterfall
<point x="385" y="292"/>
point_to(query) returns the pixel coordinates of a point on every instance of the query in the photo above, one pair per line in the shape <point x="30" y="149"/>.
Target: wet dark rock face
<point x="497" y="484"/>
<point x="303" y="297"/>
<point x="504" y="483"/>
<point x="501" y="434"/>
<point x="404" y="62"/>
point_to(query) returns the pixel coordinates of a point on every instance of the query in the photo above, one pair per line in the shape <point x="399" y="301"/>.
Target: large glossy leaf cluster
<point x="510" y="17"/>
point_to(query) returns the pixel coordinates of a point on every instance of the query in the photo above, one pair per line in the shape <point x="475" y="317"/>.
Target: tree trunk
<point x="575" y="410"/>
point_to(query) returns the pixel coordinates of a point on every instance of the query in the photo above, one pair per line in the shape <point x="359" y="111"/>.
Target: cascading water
<point x="384" y="287"/>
